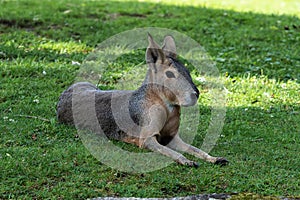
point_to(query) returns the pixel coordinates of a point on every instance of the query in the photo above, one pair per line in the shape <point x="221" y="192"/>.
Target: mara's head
<point x="168" y="73"/>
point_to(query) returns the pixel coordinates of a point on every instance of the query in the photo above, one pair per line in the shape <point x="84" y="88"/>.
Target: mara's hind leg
<point x="178" y="144"/>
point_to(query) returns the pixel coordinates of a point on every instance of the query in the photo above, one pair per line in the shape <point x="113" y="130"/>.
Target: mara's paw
<point x="184" y="161"/>
<point x="192" y="164"/>
<point x="221" y="161"/>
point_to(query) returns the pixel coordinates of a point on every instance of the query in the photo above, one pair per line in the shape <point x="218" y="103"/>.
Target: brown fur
<point x="153" y="118"/>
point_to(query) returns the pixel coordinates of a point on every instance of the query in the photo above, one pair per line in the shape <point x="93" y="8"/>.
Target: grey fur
<point x="149" y="116"/>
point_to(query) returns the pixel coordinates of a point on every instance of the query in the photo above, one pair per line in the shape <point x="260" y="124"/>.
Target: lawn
<point x="43" y="43"/>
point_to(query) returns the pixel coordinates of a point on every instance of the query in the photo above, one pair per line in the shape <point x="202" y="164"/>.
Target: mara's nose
<point x="196" y="92"/>
<point x="194" y="96"/>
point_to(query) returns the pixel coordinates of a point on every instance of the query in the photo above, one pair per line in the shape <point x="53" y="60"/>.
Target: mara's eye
<point x="170" y="74"/>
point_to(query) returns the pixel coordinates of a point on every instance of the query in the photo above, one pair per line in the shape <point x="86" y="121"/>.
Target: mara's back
<point x="82" y="102"/>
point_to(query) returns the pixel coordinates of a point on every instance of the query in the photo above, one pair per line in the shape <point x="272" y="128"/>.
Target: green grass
<point x="266" y="7"/>
<point x="257" y="54"/>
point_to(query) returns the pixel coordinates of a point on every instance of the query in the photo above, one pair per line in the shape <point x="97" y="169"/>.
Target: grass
<point x="277" y="7"/>
<point x="257" y="54"/>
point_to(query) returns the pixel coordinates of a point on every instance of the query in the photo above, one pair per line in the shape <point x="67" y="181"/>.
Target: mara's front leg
<point x="152" y="144"/>
<point x="178" y="144"/>
<point x="148" y="136"/>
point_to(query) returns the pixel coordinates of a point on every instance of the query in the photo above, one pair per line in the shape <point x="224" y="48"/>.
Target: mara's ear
<point x="169" y="47"/>
<point x="154" y="53"/>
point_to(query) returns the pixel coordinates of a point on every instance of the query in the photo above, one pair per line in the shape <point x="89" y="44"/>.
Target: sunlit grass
<point x="63" y="47"/>
<point x="287" y="7"/>
<point x="262" y="92"/>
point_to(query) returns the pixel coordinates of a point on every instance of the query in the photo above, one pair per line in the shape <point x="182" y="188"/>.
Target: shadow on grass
<point x="240" y="42"/>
